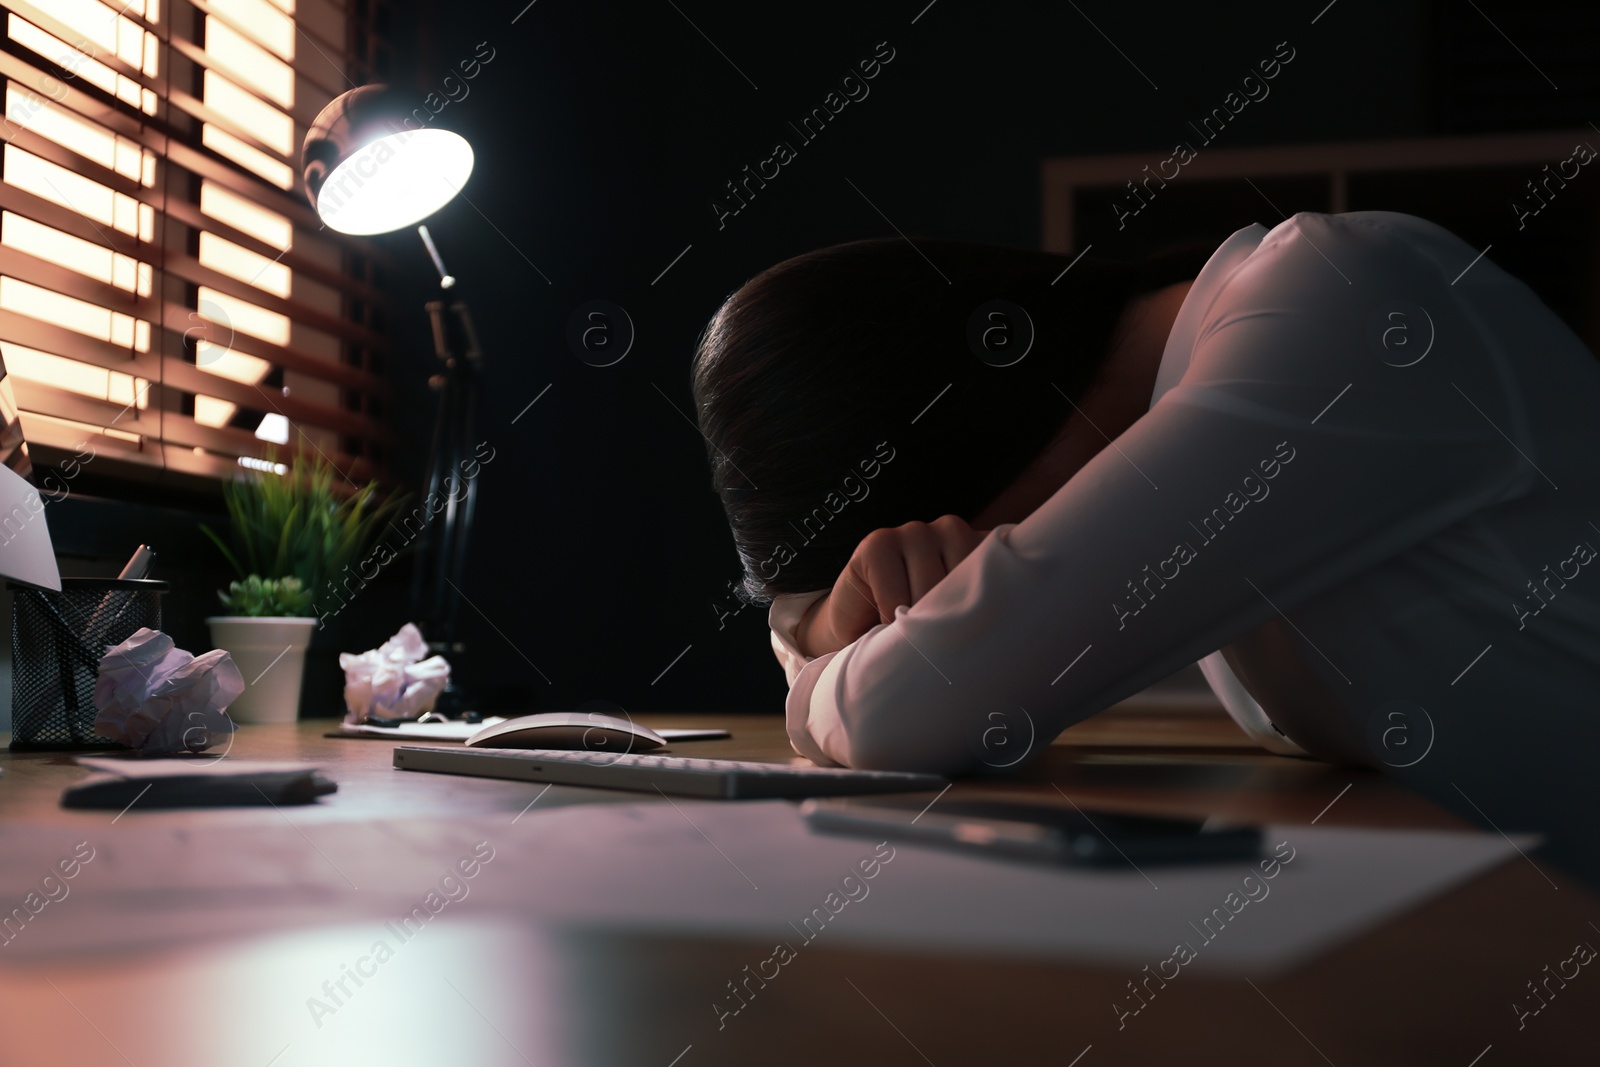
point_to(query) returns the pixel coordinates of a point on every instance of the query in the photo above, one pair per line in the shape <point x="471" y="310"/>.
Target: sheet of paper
<point x="748" y="870"/>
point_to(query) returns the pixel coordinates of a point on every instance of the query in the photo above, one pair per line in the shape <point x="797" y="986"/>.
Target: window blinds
<point x="166" y="294"/>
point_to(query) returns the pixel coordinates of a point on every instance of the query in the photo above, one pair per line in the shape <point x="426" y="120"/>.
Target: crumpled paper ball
<point x="162" y="700"/>
<point x="393" y="680"/>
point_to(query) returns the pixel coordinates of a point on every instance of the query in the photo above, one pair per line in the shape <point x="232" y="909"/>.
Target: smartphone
<point x="1047" y="833"/>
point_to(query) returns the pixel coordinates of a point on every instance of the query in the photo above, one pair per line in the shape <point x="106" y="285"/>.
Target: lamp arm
<point x="446" y="279"/>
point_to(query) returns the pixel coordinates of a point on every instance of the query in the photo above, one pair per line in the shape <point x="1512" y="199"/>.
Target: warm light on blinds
<point x="266" y="123"/>
<point x="223" y="255"/>
<point x="73" y="430"/>
<point x="84" y="196"/>
<point x="250" y="63"/>
<point x="109" y="29"/>
<point x="70" y="313"/>
<point x="243" y="316"/>
<point x="209" y="411"/>
<point x="266" y="226"/>
<point x="61" y="53"/>
<point x="231" y="364"/>
<point x="248" y="157"/>
<point x="80" y="378"/>
<point x="269" y="24"/>
<point x="89" y="139"/>
<point x="74" y="253"/>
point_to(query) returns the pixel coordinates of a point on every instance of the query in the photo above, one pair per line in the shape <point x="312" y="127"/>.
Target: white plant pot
<point x="271" y="655"/>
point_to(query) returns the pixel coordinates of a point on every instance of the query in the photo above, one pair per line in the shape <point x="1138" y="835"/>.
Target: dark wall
<point x="605" y="132"/>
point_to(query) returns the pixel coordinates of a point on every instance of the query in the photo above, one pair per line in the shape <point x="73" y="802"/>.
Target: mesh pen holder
<point x="57" y="642"/>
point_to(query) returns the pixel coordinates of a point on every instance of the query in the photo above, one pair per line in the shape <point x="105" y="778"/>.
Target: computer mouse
<point x="569" y="729"/>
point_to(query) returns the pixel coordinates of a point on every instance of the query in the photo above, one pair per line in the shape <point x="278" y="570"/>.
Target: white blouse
<point x="1369" y="462"/>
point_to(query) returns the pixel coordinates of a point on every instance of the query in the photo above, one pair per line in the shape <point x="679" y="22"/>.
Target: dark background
<point x="604" y="131"/>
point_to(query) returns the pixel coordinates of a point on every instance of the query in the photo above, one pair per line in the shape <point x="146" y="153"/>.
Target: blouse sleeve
<point x="1295" y="451"/>
<point x="783" y="620"/>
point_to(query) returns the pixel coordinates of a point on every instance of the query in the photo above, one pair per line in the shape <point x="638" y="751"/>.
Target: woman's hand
<point x="890" y="567"/>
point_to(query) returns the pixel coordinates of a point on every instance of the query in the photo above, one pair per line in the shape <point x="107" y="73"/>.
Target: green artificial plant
<point x="294" y="531"/>
<point x="260" y="597"/>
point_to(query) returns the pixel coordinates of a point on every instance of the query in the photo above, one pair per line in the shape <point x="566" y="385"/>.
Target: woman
<point x="1347" y="463"/>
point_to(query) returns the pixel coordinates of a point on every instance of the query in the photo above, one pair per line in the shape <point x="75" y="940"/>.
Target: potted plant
<point x="292" y="533"/>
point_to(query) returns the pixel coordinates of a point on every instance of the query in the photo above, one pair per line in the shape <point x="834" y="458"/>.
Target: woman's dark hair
<point x="838" y="391"/>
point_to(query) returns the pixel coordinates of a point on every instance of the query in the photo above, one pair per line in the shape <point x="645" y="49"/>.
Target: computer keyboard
<point x="677" y="775"/>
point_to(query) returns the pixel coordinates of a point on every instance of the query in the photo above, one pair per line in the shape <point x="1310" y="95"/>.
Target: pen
<point x="139" y="564"/>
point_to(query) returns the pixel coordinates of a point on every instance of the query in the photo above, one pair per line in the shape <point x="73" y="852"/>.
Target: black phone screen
<point x="1042" y="831"/>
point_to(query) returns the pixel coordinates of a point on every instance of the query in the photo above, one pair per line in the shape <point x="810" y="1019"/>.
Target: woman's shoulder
<point x="1385" y="242"/>
<point x="1341" y="264"/>
<point x="1318" y="287"/>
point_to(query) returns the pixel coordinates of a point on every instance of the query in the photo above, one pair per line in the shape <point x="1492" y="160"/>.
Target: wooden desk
<point x="1432" y="986"/>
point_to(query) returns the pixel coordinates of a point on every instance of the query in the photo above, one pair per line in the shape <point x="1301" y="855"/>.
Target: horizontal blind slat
<point x="175" y="318"/>
<point x="70" y="344"/>
<point x="192" y="379"/>
<point x="299" y="111"/>
<point x="190" y="269"/>
<point x="179" y="319"/>
<point x="65" y="404"/>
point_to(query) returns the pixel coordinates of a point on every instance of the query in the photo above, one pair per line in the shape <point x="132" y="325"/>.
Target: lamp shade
<point x="373" y="164"/>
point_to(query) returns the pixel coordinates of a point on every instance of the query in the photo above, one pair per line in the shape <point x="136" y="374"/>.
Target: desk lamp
<point x="372" y="165"/>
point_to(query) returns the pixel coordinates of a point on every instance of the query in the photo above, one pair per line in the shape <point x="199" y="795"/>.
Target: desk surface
<point x="1435" y="985"/>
